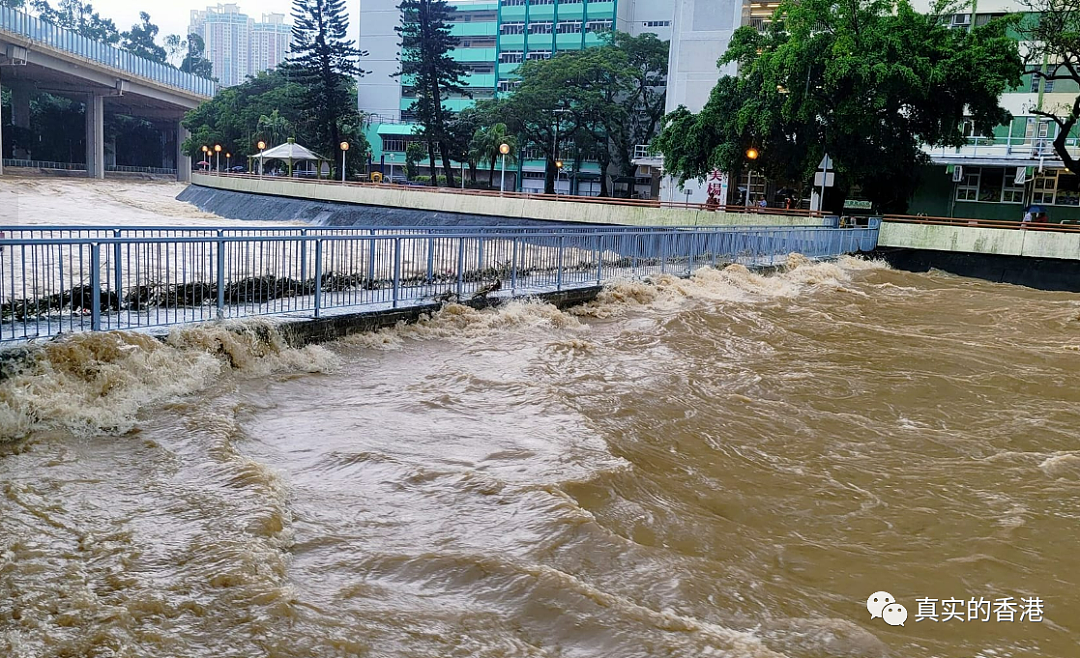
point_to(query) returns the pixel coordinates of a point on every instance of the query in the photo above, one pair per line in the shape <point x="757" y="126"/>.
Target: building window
<point x="394" y="145"/>
<point x="541" y="2"/>
<point x="1045" y="186"/>
<point x="539" y="54"/>
<point x="512" y="57"/>
<point x="512" y="28"/>
<point x="569" y="2"/>
<point x="1038" y="129"/>
<point x="569" y="27"/>
<point x="598" y="26"/>
<point x="539" y="28"/>
<point x="509" y="85"/>
<point x="1047" y="88"/>
<point x="968" y="189"/>
<point x="991" y="182"/>
<point x="657" y="23"/>
<point x="983" y="19"/>
<point x="1011" y="192"/>
<point x="1068" y="190"/>
<point x="512" y="3"/>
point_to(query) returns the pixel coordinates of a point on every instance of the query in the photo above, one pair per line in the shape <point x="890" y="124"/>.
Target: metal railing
<point x="1017" y="148"/>
<point x="424" y="189"/>
<point x="984" y="223"/>
<point x="81" y="166"/>
<point x="50" y="286"/>
<point x="60" y="232"/>
<point x="39" y="31"/>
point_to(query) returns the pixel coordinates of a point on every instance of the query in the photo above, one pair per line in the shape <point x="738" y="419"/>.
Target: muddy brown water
<point x="724" y="466"/>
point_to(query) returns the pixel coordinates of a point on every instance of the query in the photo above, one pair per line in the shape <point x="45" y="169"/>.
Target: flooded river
<point x="724" y="466"/>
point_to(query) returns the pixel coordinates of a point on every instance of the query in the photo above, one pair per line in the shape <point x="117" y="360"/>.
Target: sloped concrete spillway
<point x="254" y="207"/>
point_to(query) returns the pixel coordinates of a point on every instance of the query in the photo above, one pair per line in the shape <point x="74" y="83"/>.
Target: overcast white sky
<point x="173" y="18"/>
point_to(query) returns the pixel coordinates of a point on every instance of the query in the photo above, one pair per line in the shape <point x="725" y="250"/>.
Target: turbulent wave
<point x="88" y="383"/>
<point x="93" y="382"/>
<point x="465" y="322"/>
<point x="733" y="283"/>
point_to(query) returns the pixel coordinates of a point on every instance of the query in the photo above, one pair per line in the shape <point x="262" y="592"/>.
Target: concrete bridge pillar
<point x="183" y="160"/>
<point x="95" y="136"/>
<point x="20" y="116"/>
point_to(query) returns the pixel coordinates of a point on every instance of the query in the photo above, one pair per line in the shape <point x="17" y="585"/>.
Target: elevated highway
<point x="37" y="56"/>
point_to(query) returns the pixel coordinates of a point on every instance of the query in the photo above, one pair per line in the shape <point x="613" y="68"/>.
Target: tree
<point x="539" y="109"/>
<point x="639" y="65"/>
<point x="324" y="63"/>
<point x="1053" y="36"/>
<point x="604" y="101"/>
<point x="191" y="54"/>
<point x="486" y="143"/>
<point x="428" y="69"/>
<point x="867" y="81"/>
<point x="195" y="61"/>
<point x="141" y="40"/>
<point x="232" y="117"/>
<point x="274" y="128"/>
<point x="78" y="17"/>
<point x="414" y="154"/>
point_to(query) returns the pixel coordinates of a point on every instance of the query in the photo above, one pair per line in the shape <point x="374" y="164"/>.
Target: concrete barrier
<point x="491" y="206"/>
<point x="976" y="240"/>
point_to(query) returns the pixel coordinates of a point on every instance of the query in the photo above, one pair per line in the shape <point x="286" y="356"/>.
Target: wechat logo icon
<point x="882" y="605"/>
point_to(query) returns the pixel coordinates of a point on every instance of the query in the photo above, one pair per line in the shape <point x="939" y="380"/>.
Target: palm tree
<point x="274" y="127"/>
<point x="485" y="146"/>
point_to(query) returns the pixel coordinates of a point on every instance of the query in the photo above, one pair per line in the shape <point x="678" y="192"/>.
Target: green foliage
<point x="79" y="17"/>
<point x="192" y="51"/>
<point x="414" y="154"/>
<point x="485" y="144"/>
<point x="232" y="117"/>
<point x="868" y="81"/>
<point x="273" y="128"/>
<point x="428" y="69"/>
<point x="141" y="40"/>
<point x="266" y="107"/>
<point x="1054" y="54"/>
<point x="324" y="63"/>
<point x="601" y="101"/>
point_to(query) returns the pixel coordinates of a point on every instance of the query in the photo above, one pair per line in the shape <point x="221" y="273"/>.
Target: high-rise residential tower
<point x="236" y="45"/>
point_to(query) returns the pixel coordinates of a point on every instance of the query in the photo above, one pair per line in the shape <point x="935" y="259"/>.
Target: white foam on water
<point x="97" y="382"/>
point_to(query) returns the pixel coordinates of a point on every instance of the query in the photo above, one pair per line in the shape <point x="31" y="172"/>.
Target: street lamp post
<point x="206" y="158"/>
<point x="558" y="176"/>
<point x="262" y="147"/>
<point x="751" y="155"/>
<point x="228" y="162"/>
<point x="464" y="157"/>
<point x="344" y="149"/>
<point x="504" y="148"/>
<point x="217" y="158"/>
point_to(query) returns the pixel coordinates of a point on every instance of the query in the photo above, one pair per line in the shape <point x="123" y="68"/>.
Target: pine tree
<point x="325" y="64"/>
<point x="429" y="69"/>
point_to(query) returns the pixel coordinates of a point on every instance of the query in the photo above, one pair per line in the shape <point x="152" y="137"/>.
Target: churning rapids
<point x="721" y="466"/>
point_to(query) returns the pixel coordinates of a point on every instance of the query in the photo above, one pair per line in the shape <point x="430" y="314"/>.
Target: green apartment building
<point x="494" y="38"/>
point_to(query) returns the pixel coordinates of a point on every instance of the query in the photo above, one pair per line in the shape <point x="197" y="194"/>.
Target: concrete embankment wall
<point x="975" y="240"/>
<point x="1047" y="260"/>
<point x="261" y="207"/>
<point x="476" y="206"/>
